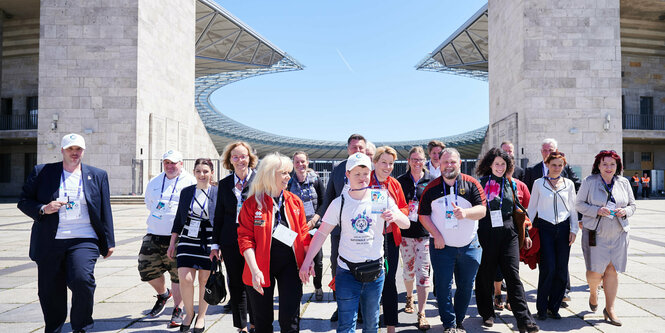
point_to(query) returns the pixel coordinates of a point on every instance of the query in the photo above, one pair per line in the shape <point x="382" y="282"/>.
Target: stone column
<point x="555" y="71"/>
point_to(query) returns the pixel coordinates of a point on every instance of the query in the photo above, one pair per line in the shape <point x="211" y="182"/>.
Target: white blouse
<point x="554" y="206"/>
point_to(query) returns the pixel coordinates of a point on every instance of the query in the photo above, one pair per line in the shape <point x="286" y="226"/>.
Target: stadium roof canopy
<point x="465" y="52"/>
<point x="227" y="50"/>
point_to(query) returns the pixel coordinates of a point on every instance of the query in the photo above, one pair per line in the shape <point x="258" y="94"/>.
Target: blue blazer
<point x="186" y="196"/>
<point x="42" y="187"/>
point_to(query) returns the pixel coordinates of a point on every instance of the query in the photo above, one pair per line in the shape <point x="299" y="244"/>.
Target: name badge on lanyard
<point x="379" y="200"/>
<point x="195" y="221"/>
<point x="495" y="215"/>
<point x="194" y="227"/>
<point x="73" y="204"/>
<point x="309" y="205"/>
<point x="413" y="203"/>
<point x="284" y="235"/>
<point x="163" y="206"/>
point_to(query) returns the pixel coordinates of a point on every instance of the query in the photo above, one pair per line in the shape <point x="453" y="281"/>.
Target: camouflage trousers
<point x="153" y="261"/>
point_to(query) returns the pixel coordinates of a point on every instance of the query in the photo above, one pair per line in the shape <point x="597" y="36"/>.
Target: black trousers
<point x="318" y="269"/>
<point x="635" y="191"/>
<point x="553" y="265"/>
<point x="70" y="264"/>
<point x="235" y="264"/>
<point x="389" y="295"/>
<point x="500" y="249"/>
<point x="645" y="192"/>
<point x="283" y="271"/>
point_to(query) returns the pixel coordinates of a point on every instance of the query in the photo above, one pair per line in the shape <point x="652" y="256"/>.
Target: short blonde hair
<point x="264" y="181"/>
<point x="384" y="150"/>
<point x="226" y="155"/>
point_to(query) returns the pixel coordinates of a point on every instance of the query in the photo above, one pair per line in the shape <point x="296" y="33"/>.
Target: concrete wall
<point x="20" y="64"/>
<point x="166" y="117"/>
<point x="558" y="65"/>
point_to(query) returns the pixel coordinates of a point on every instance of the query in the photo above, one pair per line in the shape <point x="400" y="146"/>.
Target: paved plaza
<point x="123" y="300"/>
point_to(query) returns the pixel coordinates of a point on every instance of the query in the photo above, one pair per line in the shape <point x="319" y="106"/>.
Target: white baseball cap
<point x="356" y="160"/>
<point x="72" y="139"/>
<point x="173" y="156"/>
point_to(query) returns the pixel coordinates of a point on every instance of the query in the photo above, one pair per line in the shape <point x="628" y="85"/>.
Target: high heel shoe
<point x="593" y="307"/>
<point x="198" y="329"/>
<point x="185" y="328"/>
<point x="609" y="319"/>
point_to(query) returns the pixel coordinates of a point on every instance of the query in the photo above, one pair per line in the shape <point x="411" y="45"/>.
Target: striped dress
<point x="193" y="249"/>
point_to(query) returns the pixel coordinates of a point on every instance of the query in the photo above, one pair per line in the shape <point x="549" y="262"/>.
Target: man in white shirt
<point x="161" y="198"/>
<point x="434" y="149"/>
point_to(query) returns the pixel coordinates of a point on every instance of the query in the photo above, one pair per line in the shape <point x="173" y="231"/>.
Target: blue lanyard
<point x="455" y="190"/>
<point x="378" y="183"/>
<point x="64" y="188"/>
<point x="161" y="194"/>
<point x="415" y="186"/>
<point x="503" y="179"/>
<point x="279" y="208"/>
<point x="191" y="206"/>
<point x="307" y="186"/>
<point x="609" y="188"/>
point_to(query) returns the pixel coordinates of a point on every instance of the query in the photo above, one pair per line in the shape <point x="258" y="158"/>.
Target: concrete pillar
<point x="555" y="71"/>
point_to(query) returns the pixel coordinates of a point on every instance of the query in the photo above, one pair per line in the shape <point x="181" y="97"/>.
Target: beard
<point x="450" y="174"/>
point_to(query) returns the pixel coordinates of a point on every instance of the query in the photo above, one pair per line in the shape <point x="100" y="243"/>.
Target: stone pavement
<point x="122" y="299"/>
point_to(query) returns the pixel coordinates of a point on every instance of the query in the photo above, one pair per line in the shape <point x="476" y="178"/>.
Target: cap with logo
<point x="72" y="139"/>
<point x="358" y="159"/>
<point x="173" y="156"/>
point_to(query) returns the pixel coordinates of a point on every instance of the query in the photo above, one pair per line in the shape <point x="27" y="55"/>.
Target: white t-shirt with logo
<point x="160" y="220"/>
<point x="68" y="227"/>
<point x="361" y="237"/>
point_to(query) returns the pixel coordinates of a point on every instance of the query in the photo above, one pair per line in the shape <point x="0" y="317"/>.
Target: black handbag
<point x="215" y="288"/>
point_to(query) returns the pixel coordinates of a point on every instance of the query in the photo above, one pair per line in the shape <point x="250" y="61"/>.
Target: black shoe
<point x="334" y="316"/>
<point x="460" y="328"/>
<point x="529" y="328"/>
<point x="541" y="316"/>
<point x="449" y="330"/>
<point x="564" y="305"/>
<point x="159" y="305"/>
<point x="553" y="315"/>
<point x="488" y="322"/>
<point x="176" y="318"/>
<point x="359" y="320"/>
<point x="185" y="328"/>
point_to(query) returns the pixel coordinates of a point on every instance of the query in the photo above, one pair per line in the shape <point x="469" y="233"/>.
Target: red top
<point x="395" y="191"/>
<point x="255" y="232"/>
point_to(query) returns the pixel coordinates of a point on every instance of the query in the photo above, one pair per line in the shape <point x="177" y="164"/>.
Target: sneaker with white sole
<point x="159" y="304"/>
<point x="176" y="318"/>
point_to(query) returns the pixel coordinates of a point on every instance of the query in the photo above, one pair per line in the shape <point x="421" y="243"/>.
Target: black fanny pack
<point x="367" y="271"/>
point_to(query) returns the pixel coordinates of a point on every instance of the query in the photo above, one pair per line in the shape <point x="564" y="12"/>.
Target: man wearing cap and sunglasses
<point x="71" y="208"/>
<point x="162" y="195"/>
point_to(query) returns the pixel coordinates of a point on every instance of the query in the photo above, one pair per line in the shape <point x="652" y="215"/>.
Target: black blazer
<point x="225" y="229"/>
<point x="182" y="213"/>
<point x="536" y="171"/>
<point x="43" y="186"/>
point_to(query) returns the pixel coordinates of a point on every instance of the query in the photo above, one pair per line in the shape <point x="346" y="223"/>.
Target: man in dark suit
<point x="70" y="205"/>
<point x="540" y="169"/>
<point x="509" y="148"/>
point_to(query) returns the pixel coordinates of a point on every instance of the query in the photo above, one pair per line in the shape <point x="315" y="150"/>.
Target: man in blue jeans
<point x="450" y="208"/>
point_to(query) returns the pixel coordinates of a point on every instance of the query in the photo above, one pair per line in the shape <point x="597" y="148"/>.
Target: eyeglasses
<point x="236" y="158"/>
<point x="418" y="160"/>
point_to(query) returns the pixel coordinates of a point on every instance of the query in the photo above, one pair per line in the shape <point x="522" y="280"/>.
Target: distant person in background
<point x="161" y="198"/>
<point x="308" y="186"/>
<point x="646" y="186"/>
<point x="509" y="148"/>
<point x="434" y="149"/>
<point x="606" y="202"/>
<point x="384" y="163"/>
<point x="356" y="143"/>
<point x="635" y="183"/>
<point x="238" y="157"/>
<point x="370" y="150"/>
<point x="191" y="240"/>
<point x="415" y="239"/>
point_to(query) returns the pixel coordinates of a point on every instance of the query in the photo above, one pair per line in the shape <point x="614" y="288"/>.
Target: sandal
<point x="423" y="324"/>
<point x="498" y="302"/>
<point x="408" y="308"/>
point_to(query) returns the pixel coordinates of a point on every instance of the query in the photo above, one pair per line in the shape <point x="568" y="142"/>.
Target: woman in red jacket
<point x="273" y="236"/>
<point x="384" y="163"/>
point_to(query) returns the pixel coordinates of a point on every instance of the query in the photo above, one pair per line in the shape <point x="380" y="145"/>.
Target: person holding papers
<point x="498" y="237"/>
<point x="272" y="236"/>
<point x="450" y="209"/>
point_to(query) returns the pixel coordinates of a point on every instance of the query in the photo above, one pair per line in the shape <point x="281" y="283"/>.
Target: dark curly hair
<point x="485" y="166"/>
<point x="607" y="153"/>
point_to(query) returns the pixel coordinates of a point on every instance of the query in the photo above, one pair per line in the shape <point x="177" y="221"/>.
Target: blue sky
<point x="359" y="74"/>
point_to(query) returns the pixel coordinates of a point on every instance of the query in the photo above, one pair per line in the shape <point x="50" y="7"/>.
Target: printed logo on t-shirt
<point x="362" y="222"/>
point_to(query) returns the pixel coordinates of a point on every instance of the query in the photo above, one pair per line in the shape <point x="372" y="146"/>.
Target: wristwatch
<point x="41" y="210"/>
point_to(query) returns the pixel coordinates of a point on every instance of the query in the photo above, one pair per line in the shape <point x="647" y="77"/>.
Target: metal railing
<point x="18" y="122"/>
<point x="643" y="122"/>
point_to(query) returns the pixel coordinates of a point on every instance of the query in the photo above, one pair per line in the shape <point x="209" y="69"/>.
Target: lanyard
<point x="279" y="208"/>
<point x="191" y="206"/>
<point x="307" y="186"/>
<point x="161" y="194"/>
<point x="609" y="188"/>
<point x="242" y="181"/>
<point x="455" y="190"/>
<point x="415" y="186"/>
<point x="503" y="179"/>
<point x="378" y="183"/>
<point x="64" y="188"/>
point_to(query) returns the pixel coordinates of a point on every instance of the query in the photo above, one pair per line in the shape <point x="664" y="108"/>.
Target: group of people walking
<point x="267" y="222"/>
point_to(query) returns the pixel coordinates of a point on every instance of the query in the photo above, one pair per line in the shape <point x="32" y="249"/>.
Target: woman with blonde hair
<point x="239" y="158"/>
<point x="272" y="237"/>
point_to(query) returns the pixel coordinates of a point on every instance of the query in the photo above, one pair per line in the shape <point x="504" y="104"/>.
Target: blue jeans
<point x="463" y="262"/>
<point x="349" y="292"/>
